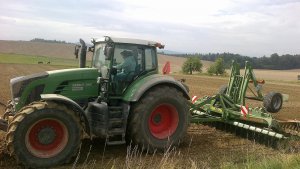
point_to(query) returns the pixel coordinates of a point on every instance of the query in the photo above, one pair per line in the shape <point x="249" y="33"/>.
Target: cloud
<point x="249" y="27"/>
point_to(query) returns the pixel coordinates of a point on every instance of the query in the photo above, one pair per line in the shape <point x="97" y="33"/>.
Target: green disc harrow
<point x="228" y="107"/>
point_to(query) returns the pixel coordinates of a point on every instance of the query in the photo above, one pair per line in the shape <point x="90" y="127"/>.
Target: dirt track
<point x="204" y="146"/>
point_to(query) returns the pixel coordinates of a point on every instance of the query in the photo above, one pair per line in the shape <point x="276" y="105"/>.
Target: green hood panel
<point x="76" y="84"/>
<point x="73" y="83"/>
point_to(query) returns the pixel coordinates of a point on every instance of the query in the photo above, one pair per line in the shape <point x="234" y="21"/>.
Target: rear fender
<point x="70" y="104"/>
<point x="136" y="90"/>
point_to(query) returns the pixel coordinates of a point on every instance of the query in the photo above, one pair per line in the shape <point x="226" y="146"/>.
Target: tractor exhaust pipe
<point x="3" y="125"/>
<point x="82" y="57"/>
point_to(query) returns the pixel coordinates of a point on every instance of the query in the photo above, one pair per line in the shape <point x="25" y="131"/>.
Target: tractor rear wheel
<point x="159" y="120"/>
<point x="44" y="134"/>
<point x="273" y="102"/>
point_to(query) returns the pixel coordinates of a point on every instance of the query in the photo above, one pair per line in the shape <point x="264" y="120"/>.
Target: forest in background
<point x="49" y="41"/>
<point x="274" y="62"/>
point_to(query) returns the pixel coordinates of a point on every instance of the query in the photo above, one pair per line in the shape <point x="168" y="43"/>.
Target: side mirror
<point x="108" y="51"/>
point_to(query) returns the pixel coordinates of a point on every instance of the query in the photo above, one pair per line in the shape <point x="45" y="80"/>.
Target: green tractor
<point x="51" y="112"/>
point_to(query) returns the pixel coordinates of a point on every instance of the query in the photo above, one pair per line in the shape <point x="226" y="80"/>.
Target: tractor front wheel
<point x="159" y="120"/>
<point x="44" y="134"/>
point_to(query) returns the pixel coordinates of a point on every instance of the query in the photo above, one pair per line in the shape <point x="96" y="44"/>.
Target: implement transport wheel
<point x="273" y="102"/>
<point x="44" y="134"/>
<point x="159" y="119"/>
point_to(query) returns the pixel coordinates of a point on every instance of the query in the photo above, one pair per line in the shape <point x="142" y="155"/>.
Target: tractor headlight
<point x="15" y="86"/>
<point x="18" y="84"/>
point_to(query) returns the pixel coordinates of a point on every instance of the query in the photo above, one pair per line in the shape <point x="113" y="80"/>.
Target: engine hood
<point x="73" y="73"/>
<point x="76" y="84"/>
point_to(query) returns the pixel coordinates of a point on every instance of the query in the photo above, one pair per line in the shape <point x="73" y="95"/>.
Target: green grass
<point x="173" y="159"/>
<point x="29" y="59"/>
<point x="281" y="161"/>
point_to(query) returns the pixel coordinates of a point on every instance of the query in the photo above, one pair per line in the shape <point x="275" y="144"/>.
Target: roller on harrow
<point x="228" y="107"/>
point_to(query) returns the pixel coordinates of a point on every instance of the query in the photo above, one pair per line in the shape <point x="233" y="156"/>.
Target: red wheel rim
<point x="46" y="138"/>
<point x="163" y="121"/>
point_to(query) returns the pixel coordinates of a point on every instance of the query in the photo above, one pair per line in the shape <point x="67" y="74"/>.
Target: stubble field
<point x="204" y="147"/>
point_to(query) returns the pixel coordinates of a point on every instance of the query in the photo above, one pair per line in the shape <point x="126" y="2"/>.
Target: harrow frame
<point x="229" y="107"/>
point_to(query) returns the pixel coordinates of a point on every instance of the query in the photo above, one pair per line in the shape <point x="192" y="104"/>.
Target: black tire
<point x="223" y="89"/>
<point x="273" y="102"/>
<point x="158" y="120"/>
<point x="43" y="135"/>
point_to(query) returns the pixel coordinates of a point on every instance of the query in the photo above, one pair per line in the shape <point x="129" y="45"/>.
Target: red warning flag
<point x="194" y="99"/>
<point x="244" y="110"/>
<point x="166" y="69"/>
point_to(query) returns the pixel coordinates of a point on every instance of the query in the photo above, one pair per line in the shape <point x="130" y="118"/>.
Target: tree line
<point x="274" y="62"/>
<point x="194" y="64"/>
<point x="49" y="41"/>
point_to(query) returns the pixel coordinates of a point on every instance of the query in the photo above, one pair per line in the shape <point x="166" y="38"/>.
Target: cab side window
<point x="139" y="59"/>
<point x="150" y="61"/>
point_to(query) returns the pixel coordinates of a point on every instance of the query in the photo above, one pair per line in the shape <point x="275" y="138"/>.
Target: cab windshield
<point x="99" y="57"/>
<point x="99" y="60"/>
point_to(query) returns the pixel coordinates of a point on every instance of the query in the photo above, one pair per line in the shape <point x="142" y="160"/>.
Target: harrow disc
<point x="291" y="127"/>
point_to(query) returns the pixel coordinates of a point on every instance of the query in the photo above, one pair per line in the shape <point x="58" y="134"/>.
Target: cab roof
<point x="128" y="40"/>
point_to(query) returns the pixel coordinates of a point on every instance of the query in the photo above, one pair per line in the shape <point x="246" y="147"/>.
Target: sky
<point x="247" y="27"/>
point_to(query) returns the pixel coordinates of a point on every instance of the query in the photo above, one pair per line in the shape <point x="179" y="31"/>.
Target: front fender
<point x="136" y="90"/>
<point x="70" y="104"/>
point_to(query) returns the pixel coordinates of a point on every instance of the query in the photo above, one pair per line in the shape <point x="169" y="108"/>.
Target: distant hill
<point x="38" y="48"/>
<point x="64" y="50"/>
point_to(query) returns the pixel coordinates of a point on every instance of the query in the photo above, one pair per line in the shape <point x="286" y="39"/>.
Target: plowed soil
<point x="204" y="147"/>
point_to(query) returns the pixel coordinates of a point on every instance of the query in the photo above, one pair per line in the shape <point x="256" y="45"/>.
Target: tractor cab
<point x="121" y="60"/>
